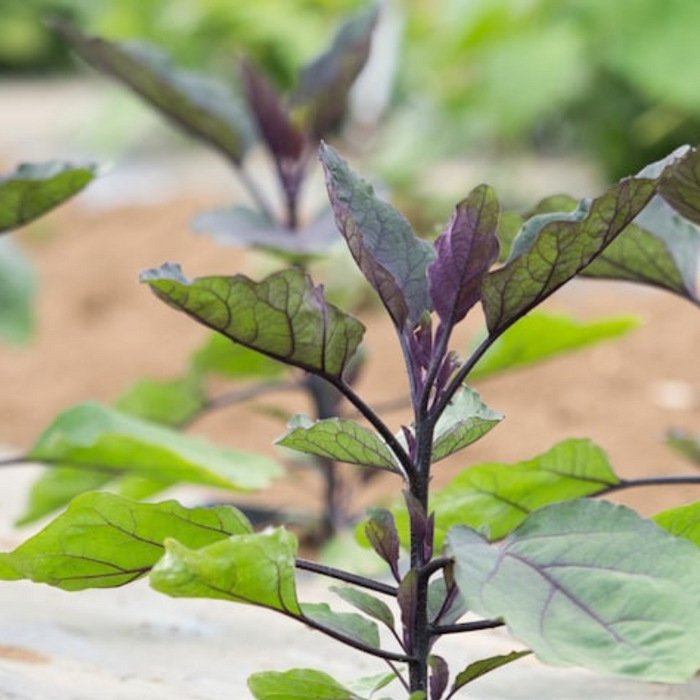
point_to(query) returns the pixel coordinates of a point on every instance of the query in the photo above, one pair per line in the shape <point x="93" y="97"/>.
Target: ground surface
<point x="98" y="330"/>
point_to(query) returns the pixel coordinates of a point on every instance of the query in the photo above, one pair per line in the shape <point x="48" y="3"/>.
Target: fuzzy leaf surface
<point x="193" y="103"/>
<point x="483" y="666"/>
<point x="284" y="316"/>
<point x="104" y="540"/>
<point x="499" y="496"/>
<point x="257" y="569"/>
<point x="18" y="283"/>
<point x="339" y="439"/>
<point x="392" y="258"/>
<point x="465" y="251"/>
<point x="553" y="248"/>
<point x="324" y="84"/>
<point x="540" y="335"/>
<point x="366" y="603"/>
<point x="297" y="684"/>
<point x="101" y="438"/>
<point x="350" y="625"/>
<point x="36" y="188"/>
<point x="465" y="420"/>
<point x="592" y="584"/>
<point x="683" y="521"/>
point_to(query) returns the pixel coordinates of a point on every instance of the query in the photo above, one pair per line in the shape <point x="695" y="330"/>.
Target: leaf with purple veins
<point x="465" y="251"/>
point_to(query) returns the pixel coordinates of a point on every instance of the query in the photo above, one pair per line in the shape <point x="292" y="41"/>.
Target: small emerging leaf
<point x="591" y="584"/>
<point x="284" y="316"/>
<point x="381" y="533"/>
<point x="341" y="440"/>
<point x="392" y="258"/>
<point x="484" y="666"/>
<point x="257" y="569"/>
<point x="103" y="540"/>
<point x="297" y="684"/>
<point x="36" y="188"/>
<point x="439" y="676"/>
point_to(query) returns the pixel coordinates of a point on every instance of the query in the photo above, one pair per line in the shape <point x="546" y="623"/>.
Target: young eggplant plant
<point x="288" y="131"/>
<point x="577" y="581"/>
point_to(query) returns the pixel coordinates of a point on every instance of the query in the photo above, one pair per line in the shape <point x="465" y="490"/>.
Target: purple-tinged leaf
<point x="553" y="248"/>
<point x="35" y="188"/>
<point x="591" y="584"/>
<point x="465" y="252"/>
<point x="422" y="525"/>
<point x="241" y="226"/>
<point x="282" y="137"/>
<point x="196" y="104"/>
<point x="284" y="316"/>
<point x="322" y="95"/>
<point x="406" y="599"/>
<point x="381" y="240"/>
<point x="439" y="676"/>
<point x="484" y="666"/>
<point x="341" y="440"/>
<point x="380" y="531"/>
<point x="680" y="184"/>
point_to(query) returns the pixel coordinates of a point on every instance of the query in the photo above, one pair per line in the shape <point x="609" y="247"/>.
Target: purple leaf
<point x="439" y="676"/>
<point x="465" y="251"/>
<point x="381" y="240"/>
<point x="283" y="138"/>
<point x="381" y="533"/>
<point x="406" y="600"/>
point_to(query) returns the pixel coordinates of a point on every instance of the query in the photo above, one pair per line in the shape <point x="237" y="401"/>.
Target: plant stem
<point x="346" y="577"/>
<point x="650" y="481"/>
<point x="467" y="627"/>
<point x="255" y="193"/>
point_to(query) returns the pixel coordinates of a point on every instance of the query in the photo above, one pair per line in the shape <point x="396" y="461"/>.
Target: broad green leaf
<point x="553" y="248"/>
<point x="484" y="666"/>
<point x="685" y="444"/>
<point x="465" y="420"/>
<point x="257" y="569"/>
<point x="103" y="540"/>
<point x="349" y="625"/>
<point x="540" y="335"/>
<point x="320" y="101"/>
<point x="509" y="225"/>
<point x="17" y="290"/>
<point x="96" y="437"/>
<point x="341" y="440"/>
<point x="497" y="497"/>
<point x="172" y="403"/>
<point x="195" y="104"/>
<point x="392" y="258"/>
<point x="591" y="584"/>
<point x="464" y="253"/>
<point x="297" y="684"/>
<point x="219" y="356"/>
<point x="36" y="188"/>
<point x="284" y="316"/>
<point x="683" y="521"/>
<point x="366" y="603"/>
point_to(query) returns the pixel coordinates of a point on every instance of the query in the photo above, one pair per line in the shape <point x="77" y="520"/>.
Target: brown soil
<point x="98" y="330"/>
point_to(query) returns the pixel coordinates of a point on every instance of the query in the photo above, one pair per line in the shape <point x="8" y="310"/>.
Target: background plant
<point x="570" y="551"/>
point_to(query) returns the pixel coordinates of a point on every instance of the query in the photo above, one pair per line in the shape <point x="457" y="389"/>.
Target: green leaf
<point x="103" y="540"/>
<point x="366" y="603"/>
<point x="484" y="666"/>
<point x="339" y="439"/>
<point x="680" y="185"/>
<point x="97" y="437"/>
<point x="685" y="444"/>
<point x="553" y="248"/>
<point x="683" y="521"/>
<point x="172" y="403"/>
<point x="381" y="240"/>
<point x="17" y="291"/>
<point x="256" y="569"/>
<point x="297" y="684"/>
<point x="284" y="316"/>
<point x="591" y="584"/>
<point x="465" y="420"/>
<point x="36" y="188"/>
<point x="349" y="625"/>
<point x="219" y="356"/>
<point x="368" y="686"/>
<point x="193" y="103"/>
<point x="540" y="335"/>
<point x="497" y="497"/>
